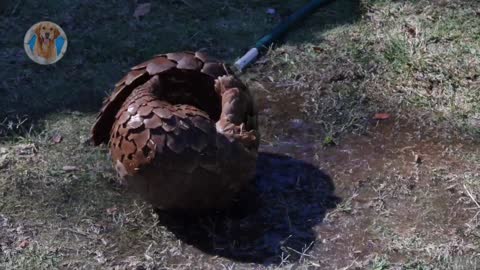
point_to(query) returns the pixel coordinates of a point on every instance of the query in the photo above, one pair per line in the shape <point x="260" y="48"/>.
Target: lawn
<point x="336" y="188"/>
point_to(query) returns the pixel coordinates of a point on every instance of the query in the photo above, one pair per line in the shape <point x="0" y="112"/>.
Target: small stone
<point x="69" y="168"/>
<point x="24" y="244"/>
<point x="271" y="11"/>
<point x="26" y="149"/>
<point x="3" y="160"/>
<point x="296" y="123"/>
<point x="57" y="138"/>
<point x="142" y="10"/>
<point x="112" y="210"/>
<point x="381" y="116"/>
<point x="84" y="140"/>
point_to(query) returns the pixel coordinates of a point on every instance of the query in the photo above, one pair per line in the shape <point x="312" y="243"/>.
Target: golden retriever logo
<point x="45" y="43"/>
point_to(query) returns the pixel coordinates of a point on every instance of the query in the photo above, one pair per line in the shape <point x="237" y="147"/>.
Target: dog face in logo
<point x="45" y="47"/>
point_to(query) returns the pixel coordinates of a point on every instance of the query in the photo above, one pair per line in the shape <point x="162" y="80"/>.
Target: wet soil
<point x="388" y="179"/>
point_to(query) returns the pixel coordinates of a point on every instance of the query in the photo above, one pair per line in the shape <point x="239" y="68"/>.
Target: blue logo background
<point x="58" y="43"/>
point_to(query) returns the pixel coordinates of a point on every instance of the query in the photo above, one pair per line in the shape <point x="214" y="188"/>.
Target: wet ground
<point x="391" y="180"/>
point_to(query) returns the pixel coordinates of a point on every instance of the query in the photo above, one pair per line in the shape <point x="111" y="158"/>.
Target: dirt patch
<point x="398" y="177"/>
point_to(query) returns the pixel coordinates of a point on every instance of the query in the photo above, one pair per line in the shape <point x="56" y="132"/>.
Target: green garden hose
<point x="277" y="32"/>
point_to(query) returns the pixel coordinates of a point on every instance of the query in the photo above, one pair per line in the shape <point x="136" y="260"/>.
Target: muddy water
<point x="386" y="142"/>
<point x="392" y="168"/>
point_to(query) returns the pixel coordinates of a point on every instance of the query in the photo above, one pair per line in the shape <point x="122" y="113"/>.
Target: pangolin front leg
<point x="235" y="105"/>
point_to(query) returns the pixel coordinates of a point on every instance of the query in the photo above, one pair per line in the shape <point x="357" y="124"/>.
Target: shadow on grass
<point x="272" y="224"/>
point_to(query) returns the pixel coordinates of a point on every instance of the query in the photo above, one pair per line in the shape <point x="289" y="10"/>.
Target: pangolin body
<point x="182" y="131"/>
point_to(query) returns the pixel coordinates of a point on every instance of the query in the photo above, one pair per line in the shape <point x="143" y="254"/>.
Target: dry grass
<point x="416" y="60"/>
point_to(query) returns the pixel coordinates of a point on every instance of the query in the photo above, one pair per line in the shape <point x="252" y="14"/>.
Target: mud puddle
<point x="391" y="180"/>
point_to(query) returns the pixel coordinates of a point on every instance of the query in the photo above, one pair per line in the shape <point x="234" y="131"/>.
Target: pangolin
<point x="182" y="132"/>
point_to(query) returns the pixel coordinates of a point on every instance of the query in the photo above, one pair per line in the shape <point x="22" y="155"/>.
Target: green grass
<point x="35" y="256"/>
<point x="397" y="53"/>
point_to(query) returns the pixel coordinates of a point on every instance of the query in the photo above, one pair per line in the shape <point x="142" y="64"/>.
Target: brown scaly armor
<point x="182" y="131"/>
